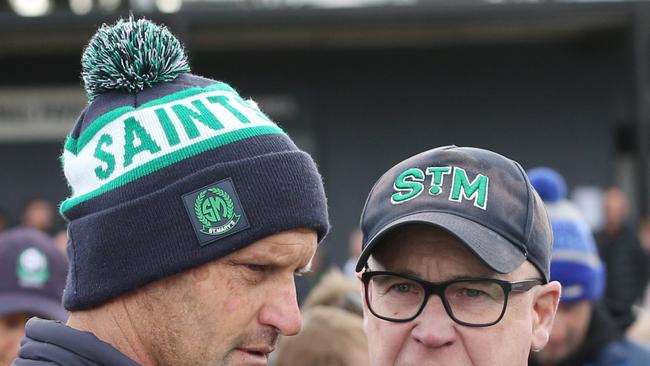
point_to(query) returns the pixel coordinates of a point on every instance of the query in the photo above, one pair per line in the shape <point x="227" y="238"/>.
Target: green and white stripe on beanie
<point x="130" y="142"/>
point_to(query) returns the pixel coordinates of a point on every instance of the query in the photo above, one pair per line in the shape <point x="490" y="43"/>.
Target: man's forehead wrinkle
<point x="278" y="251"/>
<point x="429" y="254"/>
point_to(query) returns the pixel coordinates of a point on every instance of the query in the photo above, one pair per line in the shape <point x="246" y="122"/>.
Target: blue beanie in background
<point x="575" y="262"/>
<point x="548" y="183"/>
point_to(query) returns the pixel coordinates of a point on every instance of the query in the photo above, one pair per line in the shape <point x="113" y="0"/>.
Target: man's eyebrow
<point x="409" y="272"/>
<point x="469" y="277"/>
<point x="270" y="258"/>
<point x="451" y="278"/>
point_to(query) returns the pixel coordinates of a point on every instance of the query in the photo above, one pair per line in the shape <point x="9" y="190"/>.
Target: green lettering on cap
<point x="476" y="190"/>
<point x="437" y="174"/>
<point x="408" y="186"/>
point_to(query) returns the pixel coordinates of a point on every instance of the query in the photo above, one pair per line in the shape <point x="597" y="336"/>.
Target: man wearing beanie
<point x="32" y="276"/>
<point x="584" y="334"/>
<point x="455" y="262"/>
<point x="190" y="214"/>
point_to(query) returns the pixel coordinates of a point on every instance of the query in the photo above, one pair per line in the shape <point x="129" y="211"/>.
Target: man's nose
<point x="281" y="310"/>
<point x="434" y="327"/>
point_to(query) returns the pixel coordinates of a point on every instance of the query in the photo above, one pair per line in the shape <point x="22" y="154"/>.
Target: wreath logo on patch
<point x="215" y="210"/>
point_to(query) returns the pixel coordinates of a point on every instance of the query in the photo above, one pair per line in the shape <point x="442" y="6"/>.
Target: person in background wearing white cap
<point x="32" y="277"/>
<point x="584" y="333"/>
<point x="455" y="262"/>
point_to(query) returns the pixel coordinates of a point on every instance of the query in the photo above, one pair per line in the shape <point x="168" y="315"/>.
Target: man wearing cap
<point x="455" y="262"/>
<point x="584" y="333"/>
<point x="32" y="276"/>
<point x="191" y="212"/>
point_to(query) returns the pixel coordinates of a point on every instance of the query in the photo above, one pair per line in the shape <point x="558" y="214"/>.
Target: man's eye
<point x="472" y="292"/>
<point x="256" y="267"/>
<point x="403" y="288"/>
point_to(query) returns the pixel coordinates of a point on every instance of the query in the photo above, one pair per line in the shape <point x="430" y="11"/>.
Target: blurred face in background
<point x="330" y="337"/>
<point x="568" y="333"/>
<point x="615" y="207"/>
<point x="12" y="329"/>
<point x="354" y="243"/>
<point x="39" y="215"/>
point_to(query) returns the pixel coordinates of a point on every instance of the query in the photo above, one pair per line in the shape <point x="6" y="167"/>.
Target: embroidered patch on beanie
<point x="215" y="211"/>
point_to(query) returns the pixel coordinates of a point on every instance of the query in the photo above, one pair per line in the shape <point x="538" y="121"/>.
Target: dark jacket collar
<point x="49" y="342"/>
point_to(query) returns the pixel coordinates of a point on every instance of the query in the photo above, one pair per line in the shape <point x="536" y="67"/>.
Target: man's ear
<point x="545" y="305"/>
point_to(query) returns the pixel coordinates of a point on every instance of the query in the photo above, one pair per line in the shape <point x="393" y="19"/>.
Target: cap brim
<point x="497" y="252"/>
<point x="12" y="303"/>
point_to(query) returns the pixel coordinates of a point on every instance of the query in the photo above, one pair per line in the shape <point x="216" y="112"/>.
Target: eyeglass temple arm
<point x="523" y="286"/>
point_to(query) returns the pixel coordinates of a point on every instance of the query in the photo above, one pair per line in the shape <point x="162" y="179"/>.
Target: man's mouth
<point x="256" y="354"/>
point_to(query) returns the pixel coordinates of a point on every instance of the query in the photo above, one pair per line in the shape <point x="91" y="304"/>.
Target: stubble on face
<point x="182" y="331"/>
<point x="204" y="316"/>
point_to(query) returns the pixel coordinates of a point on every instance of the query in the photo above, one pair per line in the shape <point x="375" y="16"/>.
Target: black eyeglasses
<point x="474" y="302"/>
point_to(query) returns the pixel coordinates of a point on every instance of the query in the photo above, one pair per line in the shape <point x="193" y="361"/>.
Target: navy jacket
<point x="623" y="353"/>
<point x="605" y="345"/>
<point x="49" y="343"/>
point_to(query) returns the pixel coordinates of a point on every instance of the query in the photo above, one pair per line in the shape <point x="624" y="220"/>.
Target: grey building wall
<point x="555" y="104"/>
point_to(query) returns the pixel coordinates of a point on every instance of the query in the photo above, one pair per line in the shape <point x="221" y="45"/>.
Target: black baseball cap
<point x="32" y="274"/>
<point x="482" y="198"/>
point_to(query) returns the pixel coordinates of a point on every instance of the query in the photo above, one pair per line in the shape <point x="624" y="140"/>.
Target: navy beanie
<point x="169" y="170"/>
<point x="575" y="262"/>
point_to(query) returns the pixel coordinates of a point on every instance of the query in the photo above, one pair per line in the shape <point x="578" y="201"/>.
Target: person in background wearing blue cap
<point x="584" y="333"/>
<point x="455" y="262"/>
<point x="190" y="215"/>
<point x="32" y="277"/>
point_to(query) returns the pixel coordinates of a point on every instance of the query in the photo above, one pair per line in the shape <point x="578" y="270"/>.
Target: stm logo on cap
<point x="408" y="185"/>
<point x="215" y="211"/>
<point x="448" y="188"/>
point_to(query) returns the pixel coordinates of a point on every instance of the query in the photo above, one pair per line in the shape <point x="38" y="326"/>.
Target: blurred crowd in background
<point x="330" y="295"/>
